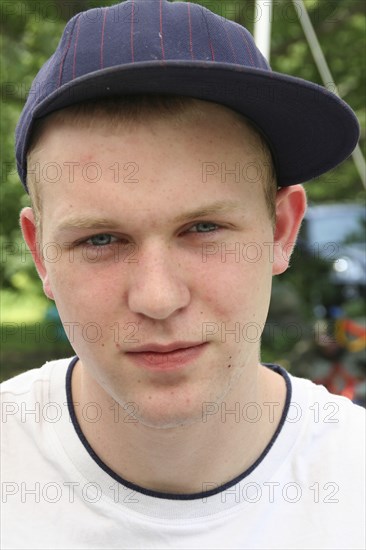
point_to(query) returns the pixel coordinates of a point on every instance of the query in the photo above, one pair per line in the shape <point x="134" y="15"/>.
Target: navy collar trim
<point x="173" y="496"/>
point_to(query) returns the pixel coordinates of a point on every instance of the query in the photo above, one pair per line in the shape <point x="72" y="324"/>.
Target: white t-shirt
<point x="305" y="491"/>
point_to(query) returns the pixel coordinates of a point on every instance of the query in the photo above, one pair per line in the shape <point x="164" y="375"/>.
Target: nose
<point x="156" y="287"/>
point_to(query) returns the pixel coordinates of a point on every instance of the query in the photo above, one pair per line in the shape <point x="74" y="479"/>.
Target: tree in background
<point x="30" y="31"/>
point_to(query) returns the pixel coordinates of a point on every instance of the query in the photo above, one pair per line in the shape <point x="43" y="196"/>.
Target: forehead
<point x="155" y="161"/>
<point x="115" y="115"/>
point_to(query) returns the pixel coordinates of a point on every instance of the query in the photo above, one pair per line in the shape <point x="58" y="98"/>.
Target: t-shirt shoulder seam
<point x="8" y="387"/>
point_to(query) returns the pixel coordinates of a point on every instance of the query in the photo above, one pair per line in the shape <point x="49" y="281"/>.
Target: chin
<point x="166" y="421"/>
<point x="163" y="410"/>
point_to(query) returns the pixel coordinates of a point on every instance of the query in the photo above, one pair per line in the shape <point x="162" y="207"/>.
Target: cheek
<point x="237" y="287"/>
<point x="81" y="291"/>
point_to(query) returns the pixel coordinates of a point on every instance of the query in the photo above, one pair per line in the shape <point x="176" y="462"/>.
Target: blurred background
<point x="316" y="323"/>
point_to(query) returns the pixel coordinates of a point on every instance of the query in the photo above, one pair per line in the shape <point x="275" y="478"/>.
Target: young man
<point x="165" y="430"/>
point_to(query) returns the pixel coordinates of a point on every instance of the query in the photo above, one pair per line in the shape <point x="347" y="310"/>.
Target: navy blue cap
<point x="181" y="48"/>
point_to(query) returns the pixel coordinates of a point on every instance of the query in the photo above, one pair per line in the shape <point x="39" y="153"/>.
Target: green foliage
<point x="31" y="30"/>
<point x="27" y="345"/>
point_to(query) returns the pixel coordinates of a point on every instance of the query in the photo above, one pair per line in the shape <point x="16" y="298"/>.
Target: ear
<point x="290" y="209"/>
<point x="30" y="233"/>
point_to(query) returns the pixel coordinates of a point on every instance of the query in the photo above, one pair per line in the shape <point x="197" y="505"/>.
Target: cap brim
<point x="310" y="129"/>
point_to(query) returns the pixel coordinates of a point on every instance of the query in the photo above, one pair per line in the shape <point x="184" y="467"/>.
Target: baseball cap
<point x="182" y="48"/>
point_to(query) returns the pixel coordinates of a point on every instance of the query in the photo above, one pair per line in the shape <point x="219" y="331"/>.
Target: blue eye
<point x="103" y="239"/>
<point x="206" y="227"/>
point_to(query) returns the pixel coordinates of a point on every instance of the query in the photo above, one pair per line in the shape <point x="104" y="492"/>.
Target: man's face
<point x="124" y="271"/>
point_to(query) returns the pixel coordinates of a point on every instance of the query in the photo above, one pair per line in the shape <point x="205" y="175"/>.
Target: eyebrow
<point x="89" y="222"/>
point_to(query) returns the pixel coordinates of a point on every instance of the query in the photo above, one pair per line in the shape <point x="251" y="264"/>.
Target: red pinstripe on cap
<point x="131" y="36"/>
<point x="190" y="30"/>
<point x="102" y="39"/>
<point x="63" y="60"/>
<point x="161" y="29"/>
<point x="75" y="48"/>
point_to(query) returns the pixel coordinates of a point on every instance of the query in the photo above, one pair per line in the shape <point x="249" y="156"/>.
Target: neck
<point x="190" y="458"/>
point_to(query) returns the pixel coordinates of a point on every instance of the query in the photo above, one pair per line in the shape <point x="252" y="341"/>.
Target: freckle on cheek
<point x="86" y="158"/>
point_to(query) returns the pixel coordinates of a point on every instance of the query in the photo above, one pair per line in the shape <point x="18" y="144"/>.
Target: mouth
<point x="165" y="348"/>
<point x="172" y="358"/>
